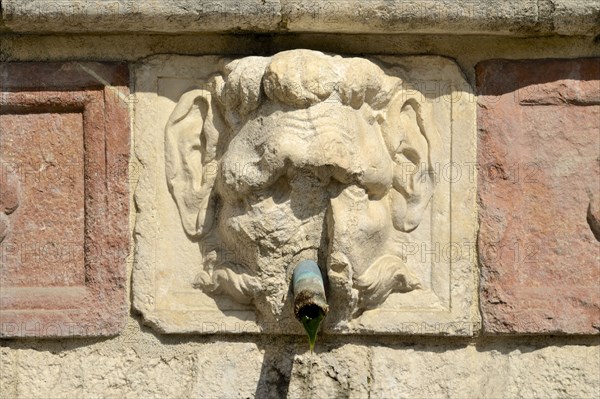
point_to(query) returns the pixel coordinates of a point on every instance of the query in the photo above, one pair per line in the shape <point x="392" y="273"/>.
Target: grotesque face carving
<point x="302" y="156"/>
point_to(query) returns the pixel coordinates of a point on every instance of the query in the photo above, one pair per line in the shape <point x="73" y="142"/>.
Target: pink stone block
<point x="64" y="149"/>
<point x="539" y="186"/>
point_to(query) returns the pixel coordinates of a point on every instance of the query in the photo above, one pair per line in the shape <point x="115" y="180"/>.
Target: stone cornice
<point x="492" y="17"/>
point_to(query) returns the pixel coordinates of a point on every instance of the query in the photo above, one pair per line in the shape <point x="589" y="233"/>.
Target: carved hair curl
<point x="302" y="78"/>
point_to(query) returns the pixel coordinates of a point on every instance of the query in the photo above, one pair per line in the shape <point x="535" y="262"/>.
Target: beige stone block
<point x="41" y="374"/>
<point x="130" y="374"/>
<point x="332" y="371"/>
<point x="569" y="370"/>
<point x="8" y="375"/>
<point x="229" y="370"/>
<point x="490" y="371"/>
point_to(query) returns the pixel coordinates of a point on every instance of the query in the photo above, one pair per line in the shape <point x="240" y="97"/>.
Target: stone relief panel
<point x="64" y="199"/>
<point x="254" y="164"/>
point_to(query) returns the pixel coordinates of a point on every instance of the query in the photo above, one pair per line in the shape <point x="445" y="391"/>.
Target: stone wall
<point x="534" y="323"/>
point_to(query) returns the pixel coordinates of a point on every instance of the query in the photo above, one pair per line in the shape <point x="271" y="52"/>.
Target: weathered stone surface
<point x="525" y="17"/>
<point x="138" y="364"/>
<point x="8" y="375"/>
<point x="64" y="200"/>
<point x="145" y="364"/>
<point x="485" y="371"/>
<point x="46" y="242"/>
<point x="333" y="371"/>
<point x="232" y="370"/>
<point x="538" y="158"/>
<point x="264" y="171"/>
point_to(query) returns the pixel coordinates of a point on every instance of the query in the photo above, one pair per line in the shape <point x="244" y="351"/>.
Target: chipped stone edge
<point x="494" y="17"/>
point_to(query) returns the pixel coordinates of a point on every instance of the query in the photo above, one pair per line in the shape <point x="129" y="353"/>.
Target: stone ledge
<point x="494" y="17"/>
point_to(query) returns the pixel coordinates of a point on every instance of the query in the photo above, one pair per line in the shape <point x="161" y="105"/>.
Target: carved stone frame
<point x="97" y="91"/>
<point x="160" y="81"/>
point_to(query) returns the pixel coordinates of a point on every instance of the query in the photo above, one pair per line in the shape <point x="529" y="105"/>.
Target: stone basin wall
<point x="81" y="89"/>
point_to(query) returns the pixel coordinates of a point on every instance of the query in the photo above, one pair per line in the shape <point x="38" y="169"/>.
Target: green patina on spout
<point x="310" y="304"/>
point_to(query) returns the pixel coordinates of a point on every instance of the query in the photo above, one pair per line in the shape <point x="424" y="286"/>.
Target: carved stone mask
<point x="301" y="156"/>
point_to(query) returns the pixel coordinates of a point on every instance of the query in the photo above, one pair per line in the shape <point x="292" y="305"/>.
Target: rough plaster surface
<point x="146" y="364"/>
<point x="523" y="17"/>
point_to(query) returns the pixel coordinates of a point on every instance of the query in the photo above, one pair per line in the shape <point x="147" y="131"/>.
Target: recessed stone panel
<point x="539" y="193"/>
<point x="365" y="165"/>
<point x="64" y="151"/>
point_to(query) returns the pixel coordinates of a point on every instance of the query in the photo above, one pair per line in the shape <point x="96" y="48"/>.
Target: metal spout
<point x="310" y="303"/>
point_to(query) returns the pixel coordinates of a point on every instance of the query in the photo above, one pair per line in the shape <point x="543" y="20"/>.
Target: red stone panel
<point x="64" y="149"/>
<point x="539" y="187"/>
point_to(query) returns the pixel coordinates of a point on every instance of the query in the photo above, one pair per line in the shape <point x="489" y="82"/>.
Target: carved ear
<point x="190" y="156"/>
<point x="413" y="144"/>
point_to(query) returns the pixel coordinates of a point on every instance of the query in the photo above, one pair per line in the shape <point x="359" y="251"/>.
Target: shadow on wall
<point x="276" y="371"/>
